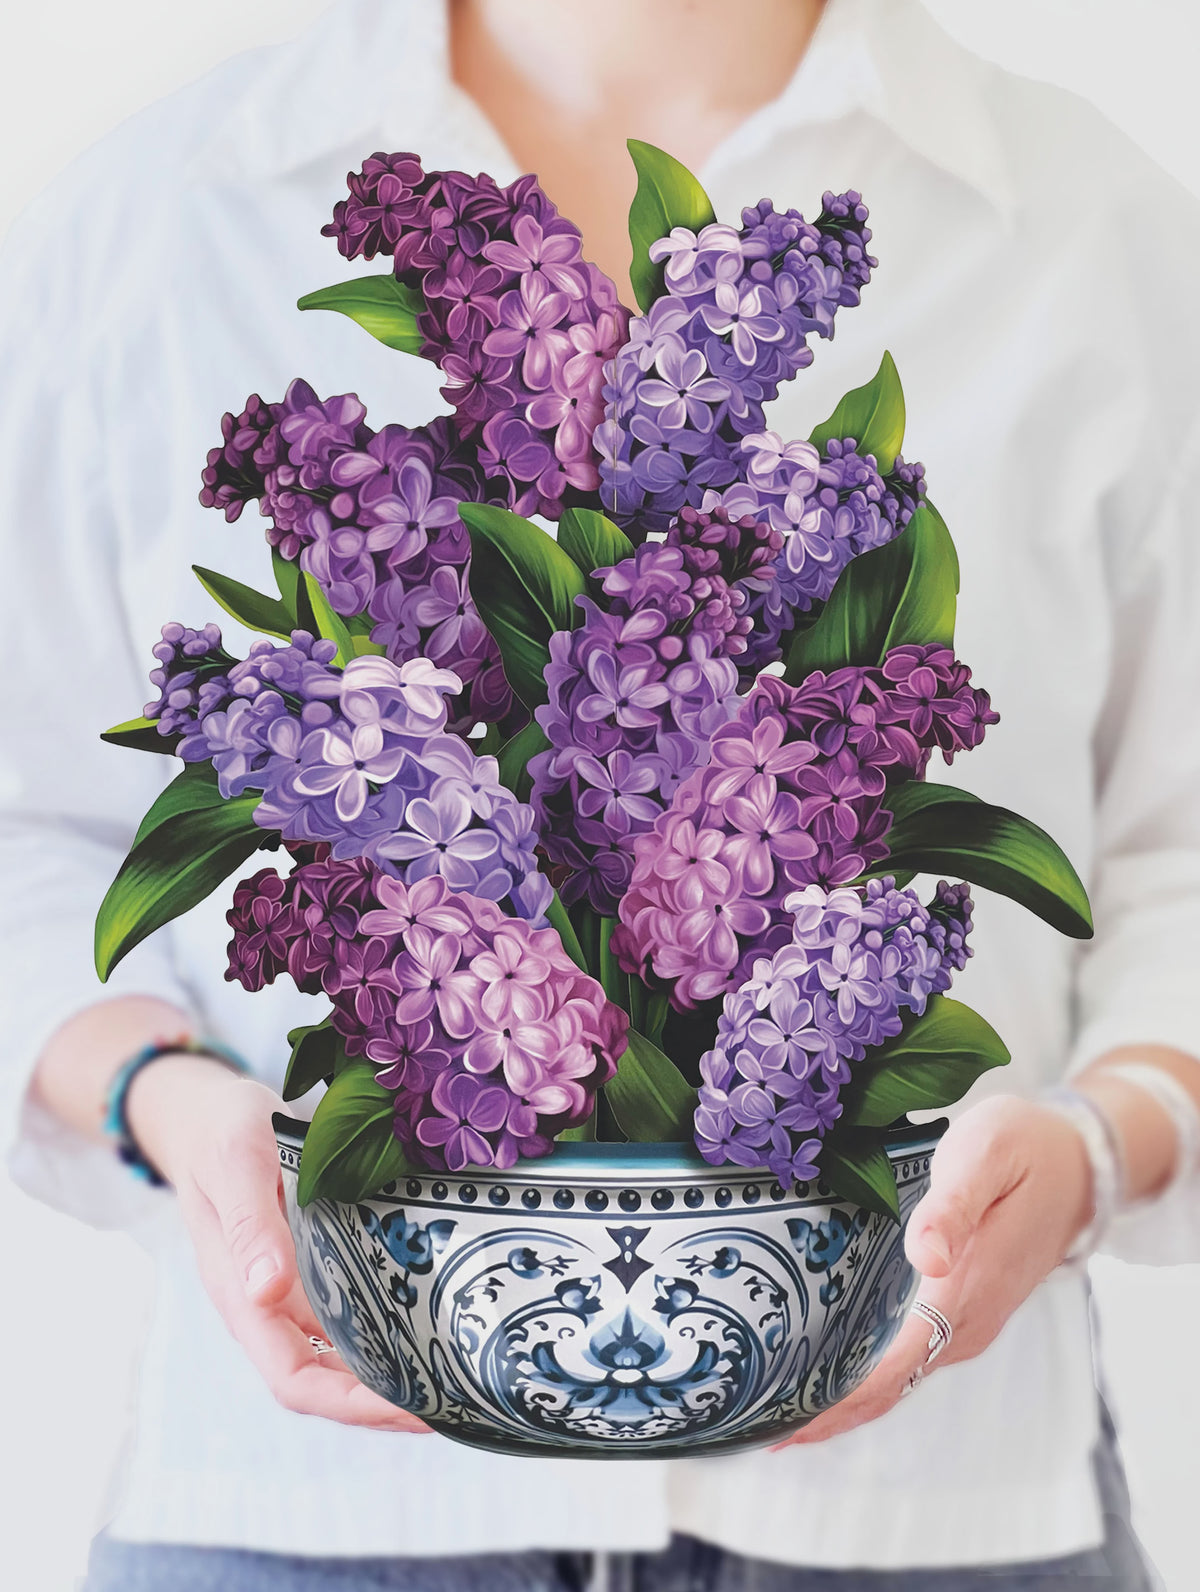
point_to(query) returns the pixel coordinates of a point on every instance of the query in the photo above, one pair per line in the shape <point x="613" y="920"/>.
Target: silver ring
<point x="942" y="1332"/>
<point x="322" y="1345"/>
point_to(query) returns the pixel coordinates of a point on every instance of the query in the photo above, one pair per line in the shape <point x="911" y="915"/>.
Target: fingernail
<point x="937" y="1243"/>
<point x="259" y="1273"/>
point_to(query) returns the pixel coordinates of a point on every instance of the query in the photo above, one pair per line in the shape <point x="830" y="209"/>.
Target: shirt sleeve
<point x="68" y="802"/>
<point x="1137" y="979"/>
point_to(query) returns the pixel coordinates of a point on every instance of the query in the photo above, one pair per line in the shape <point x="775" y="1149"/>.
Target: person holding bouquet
<point x="1064" y="458"/>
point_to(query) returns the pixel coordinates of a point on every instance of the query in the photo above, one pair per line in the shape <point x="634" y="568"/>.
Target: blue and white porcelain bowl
<point x="620" y="1301"/>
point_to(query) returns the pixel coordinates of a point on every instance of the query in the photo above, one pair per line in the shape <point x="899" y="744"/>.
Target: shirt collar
<point x="368" y="69"/>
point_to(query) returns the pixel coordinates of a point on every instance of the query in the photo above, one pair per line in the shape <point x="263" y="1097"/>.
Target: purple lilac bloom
<point x="373" y="517"/>
<point x="192" y="679"/>
<point x="490" y="1038"/>
<point x="793" y="794"/>
<point x="360" y="759"/>
<point x="733" y="324"/>
<point x="520" y="323"/>
<point x="856" y="961"/>
<point x="828" y="507"/>
<point x="637" y="690"/>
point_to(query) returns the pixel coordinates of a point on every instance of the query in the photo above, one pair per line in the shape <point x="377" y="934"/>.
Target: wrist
<point x="166" y="1101"/>
<point x="1148" y="1141"/>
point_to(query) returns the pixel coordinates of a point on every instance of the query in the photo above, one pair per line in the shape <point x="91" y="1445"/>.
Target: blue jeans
<point x="685" y="1566"/>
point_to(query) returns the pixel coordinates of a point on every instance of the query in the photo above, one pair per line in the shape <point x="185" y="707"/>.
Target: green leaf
<point x="902" y="593"/>
<point x="650" y="1098"/>
<point x="175" y="864"/>
<point x="556" y="916"/>
<point x="380" y="304"/>
<point x="525" y="587"/>
<point x="667" y="196"/>
<point x="932" y="1063"/>
<point x="856" y="1167"/>
<point x="141" y="734"/>
<point x="585" y="1133"/>
<point x="191" y="791"/>
<point x="956" y="835"/>
<point x="317" y="1055"/>
<point x="350" y="1151"/>
<point x="592" y="540"/>
<point x="249" y="607"/>
<point x="293" y="593"/>
<point x="913" y="796"/>
<point x="514" y="757"/>
<point x="614" y="980"/>
<point x="873" y="415"/>
<point x="330" y="626"/>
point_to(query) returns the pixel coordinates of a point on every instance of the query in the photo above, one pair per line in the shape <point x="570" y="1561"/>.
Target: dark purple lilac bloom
<point x="857" y="960"/>
<point x="490" y="1038"/>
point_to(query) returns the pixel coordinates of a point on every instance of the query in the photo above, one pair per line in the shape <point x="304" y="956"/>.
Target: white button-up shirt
<point x="1036" y="287"/>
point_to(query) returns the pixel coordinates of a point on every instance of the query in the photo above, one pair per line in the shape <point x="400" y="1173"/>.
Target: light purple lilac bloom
<point x="360" y="759"/>
<point x="793" y="793"/>
<point x="733" y="323"/>
<point x="857" y="960"/>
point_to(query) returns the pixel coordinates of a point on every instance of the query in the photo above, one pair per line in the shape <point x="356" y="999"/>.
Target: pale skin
<point x="1011" y="1185"/>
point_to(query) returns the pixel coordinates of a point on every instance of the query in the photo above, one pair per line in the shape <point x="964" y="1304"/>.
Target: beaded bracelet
<point x="116" y="1117"/>
<point x="1103" y="1147"/>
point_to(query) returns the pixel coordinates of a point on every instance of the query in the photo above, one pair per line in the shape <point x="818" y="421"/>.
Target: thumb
<point x="245" y="1192"/>
<point x="974" y="1166"/>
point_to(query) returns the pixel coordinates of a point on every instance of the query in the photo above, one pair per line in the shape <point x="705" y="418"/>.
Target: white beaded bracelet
<point x="1181" y="1109"/>
<point x="1104" y="1155"/>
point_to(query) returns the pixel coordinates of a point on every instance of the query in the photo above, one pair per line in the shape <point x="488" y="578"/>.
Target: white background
<point x="71" y="1301"/>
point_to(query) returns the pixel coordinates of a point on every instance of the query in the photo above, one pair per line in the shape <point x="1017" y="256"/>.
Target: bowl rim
<point x="655" y="1161"/>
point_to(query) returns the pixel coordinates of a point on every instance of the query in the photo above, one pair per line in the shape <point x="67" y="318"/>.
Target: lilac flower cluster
<point x="793" y="794"/>
<point x="856" y="960"/>
<point x="489" y="1037"/>
<point x="733" y="323"/>
<point x="637" y="691"/>
<point x="373" y="517"/>
<point x="191" y="679"/>
<point x="521" y="325"/>
<point x="828" y="507"/>
<point x="361" y="758"/>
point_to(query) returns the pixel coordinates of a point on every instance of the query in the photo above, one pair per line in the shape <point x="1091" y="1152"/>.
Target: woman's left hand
<point x="1010" y="1187"/>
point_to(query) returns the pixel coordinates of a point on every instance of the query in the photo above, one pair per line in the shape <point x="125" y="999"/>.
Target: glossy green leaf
<point x="592" y="540"/>
<point x="932" y="1063"/>
<point x="903" y="593"/>
<point x="317" y="1055"/>
<point x="176" y="864"/>
<point x="249" y="607"/>
<point x="380" y="304"/>
<point x="913" y="796"/>
<point x="994" y="848"/>
<point x="350" y="1151"/>
<point x="525" y="587"/>
<point x="667" y="196"/>
<point x="614" y="980"/>
<point x="142" y="735"/>
<point x="514" y="756"/>
<point x="556" y="917"/>
<point x="857" y="1168"/>
<point x="649" y="1097"/>
<point x="293" y="593"/>
<point x="191" y="791"/>
<point x="330" y="626"/>
<point x="873" y="415"/>
<point x="585" y="1133"/>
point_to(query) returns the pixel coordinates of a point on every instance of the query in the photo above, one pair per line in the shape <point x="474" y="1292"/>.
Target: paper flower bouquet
<point x="602" y="831"/>
<point x="597" y="835"/>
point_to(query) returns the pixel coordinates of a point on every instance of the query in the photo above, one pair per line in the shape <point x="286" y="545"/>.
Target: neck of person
<point x="566" y="82"/>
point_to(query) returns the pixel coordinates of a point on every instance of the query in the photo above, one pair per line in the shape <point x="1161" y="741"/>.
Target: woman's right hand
<point x="209" y="1132"/>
